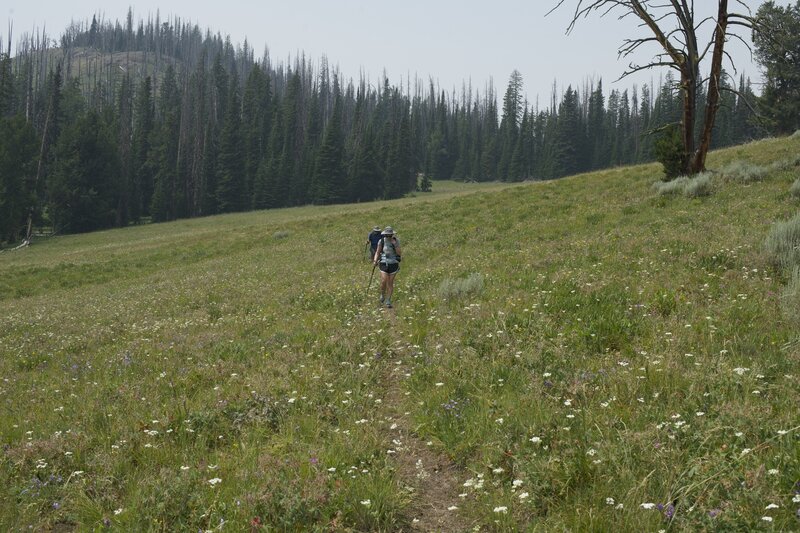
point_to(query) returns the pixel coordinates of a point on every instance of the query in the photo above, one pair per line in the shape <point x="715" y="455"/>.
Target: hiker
<point x="372" y="240"/>
<point x="387" y="256"/>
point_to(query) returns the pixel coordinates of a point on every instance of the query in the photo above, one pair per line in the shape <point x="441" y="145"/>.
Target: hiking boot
<point x="381" y="299"/>
<point x="388" y="304"/>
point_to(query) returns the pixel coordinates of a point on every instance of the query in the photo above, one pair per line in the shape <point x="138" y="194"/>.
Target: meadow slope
<point x="583" y="354"/>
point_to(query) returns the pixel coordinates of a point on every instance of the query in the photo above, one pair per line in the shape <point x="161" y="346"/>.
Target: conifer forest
<point x="117" y="123"/>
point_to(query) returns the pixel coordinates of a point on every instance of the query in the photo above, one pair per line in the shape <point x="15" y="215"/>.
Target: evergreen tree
<point x="399" y="172"/>
<point x="509" y="124"/>
<point x="124" y="127"/>
<point x="569" y="136"/>
<point x="6" y="86"/>
<point x="256" y="111"/>
<point x="84" y="185"/>
<point x="18" y="152"/>
<point x="231" y="181"/>
<point x="141" y="189"/>
<point x="778" y="52"/>
<point x="330" y="179"/>
<point x="163" y="156"/>
<point x="597" y="141"/>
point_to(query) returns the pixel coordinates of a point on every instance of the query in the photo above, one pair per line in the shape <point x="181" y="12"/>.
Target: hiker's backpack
<point x="389" y="253"/>
<point x="374" y="239"/>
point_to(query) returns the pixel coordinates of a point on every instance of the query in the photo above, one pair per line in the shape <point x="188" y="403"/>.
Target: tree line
<point x="122" y="123"/>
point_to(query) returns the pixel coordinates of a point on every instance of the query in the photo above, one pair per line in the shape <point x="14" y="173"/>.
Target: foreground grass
<point x="623" y="363"/>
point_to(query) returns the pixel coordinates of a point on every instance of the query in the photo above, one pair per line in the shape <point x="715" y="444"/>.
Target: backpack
<point x="389" y="253"/>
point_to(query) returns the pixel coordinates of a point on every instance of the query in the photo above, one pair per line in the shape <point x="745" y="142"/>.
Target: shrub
<point x="700" y="185"/>
<point x="744" y="172"/>
<point x="794" y="190"/>
<point x="278" y="235"/>
<point x="783" y="243"/>
<point x="790" y="300"/>
<point x="451" y="289"/>
<point x="670" y="153"/>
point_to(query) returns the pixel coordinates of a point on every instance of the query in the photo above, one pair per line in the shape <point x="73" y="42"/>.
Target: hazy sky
<point x="451" y="42"/>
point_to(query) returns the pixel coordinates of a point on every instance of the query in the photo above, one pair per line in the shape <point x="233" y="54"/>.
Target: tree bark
<point x="698" y="162"/>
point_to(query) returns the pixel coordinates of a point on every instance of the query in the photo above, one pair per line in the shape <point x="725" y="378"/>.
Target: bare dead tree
<point x="672" y="26"/>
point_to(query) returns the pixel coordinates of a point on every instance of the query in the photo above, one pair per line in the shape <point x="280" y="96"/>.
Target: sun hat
<point x="376" y="228"/>
<point x="388" y="231"/>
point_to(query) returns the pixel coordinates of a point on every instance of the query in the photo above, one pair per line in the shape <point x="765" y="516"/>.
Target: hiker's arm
<point x="378" y="251"/>
<point x="397" y="249"/>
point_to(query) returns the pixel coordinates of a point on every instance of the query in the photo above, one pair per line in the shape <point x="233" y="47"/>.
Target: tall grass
<point x="451" y="289"/>
<point x="790" y="299"/>
<point x="694" y="187"/>
<point x="783" y="243"/>
<point x="794" y="190"/>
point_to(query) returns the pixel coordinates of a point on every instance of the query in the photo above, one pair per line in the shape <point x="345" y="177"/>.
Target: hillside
<point x="582" y="354"/>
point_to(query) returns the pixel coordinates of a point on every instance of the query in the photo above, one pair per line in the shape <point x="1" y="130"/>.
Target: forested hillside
<point x="158" y="120"/>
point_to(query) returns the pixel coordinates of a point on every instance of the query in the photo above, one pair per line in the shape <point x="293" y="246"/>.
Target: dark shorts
<point x="390" y="268"/>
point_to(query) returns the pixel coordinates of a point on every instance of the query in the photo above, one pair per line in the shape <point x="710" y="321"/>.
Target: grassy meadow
<point x="587" y="354"/>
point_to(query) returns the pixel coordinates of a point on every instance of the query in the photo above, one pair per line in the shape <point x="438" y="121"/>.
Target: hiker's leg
<point x="389" y="287"/>
<point x="384" y="282"/>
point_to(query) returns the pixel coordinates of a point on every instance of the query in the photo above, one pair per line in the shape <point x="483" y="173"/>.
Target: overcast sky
<point x="451" y="42"/>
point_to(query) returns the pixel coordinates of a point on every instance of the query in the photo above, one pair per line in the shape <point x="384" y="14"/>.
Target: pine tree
<point x="18" y="153"/>
<point x="400" y="176"/>
<point x="597" y="138"/>
<point x="141" y="189"/>
<point x="84" y="187"/>
<point x="231" y="185"/>
<point x="163" y="156"/>
<point x="328" y="183"/>
<point x="569" y="136"/>
<point x="509" y="125"/>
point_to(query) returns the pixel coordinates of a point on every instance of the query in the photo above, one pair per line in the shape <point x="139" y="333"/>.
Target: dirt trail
<point x="433" y="477"/>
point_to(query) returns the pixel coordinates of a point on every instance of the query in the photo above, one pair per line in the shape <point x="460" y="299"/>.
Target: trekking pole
<point x="370" y="278"/>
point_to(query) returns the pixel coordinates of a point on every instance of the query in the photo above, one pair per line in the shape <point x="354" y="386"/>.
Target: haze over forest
<point x="157" y="119"/>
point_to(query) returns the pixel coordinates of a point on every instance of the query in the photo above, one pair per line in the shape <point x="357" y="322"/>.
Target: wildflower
<point x="214" y="481"/>
<point x="766" y="518"/>
<point x="647" y="505"/>
<point x="184" y="468"/>
<point x="535" y="440"/>
<point x="619" y="507"/>
<point x="610" y="501"/>
<point x="366" y="503"/>
<point x="523" y="495"/>
<point x="497" y="470"/>
<point x="516" y="483"/>
<point x="746" y="451"/>
<point x="502" y="509"/>
<point x="773" y="471"/>
<point x="118" y="511"/>
<point x="713" y="513"/>
<point x="452" y="508"/>
<point x="772" y="506"/>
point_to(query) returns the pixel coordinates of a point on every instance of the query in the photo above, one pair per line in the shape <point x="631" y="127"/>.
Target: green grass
<point x="622" y="348"/>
